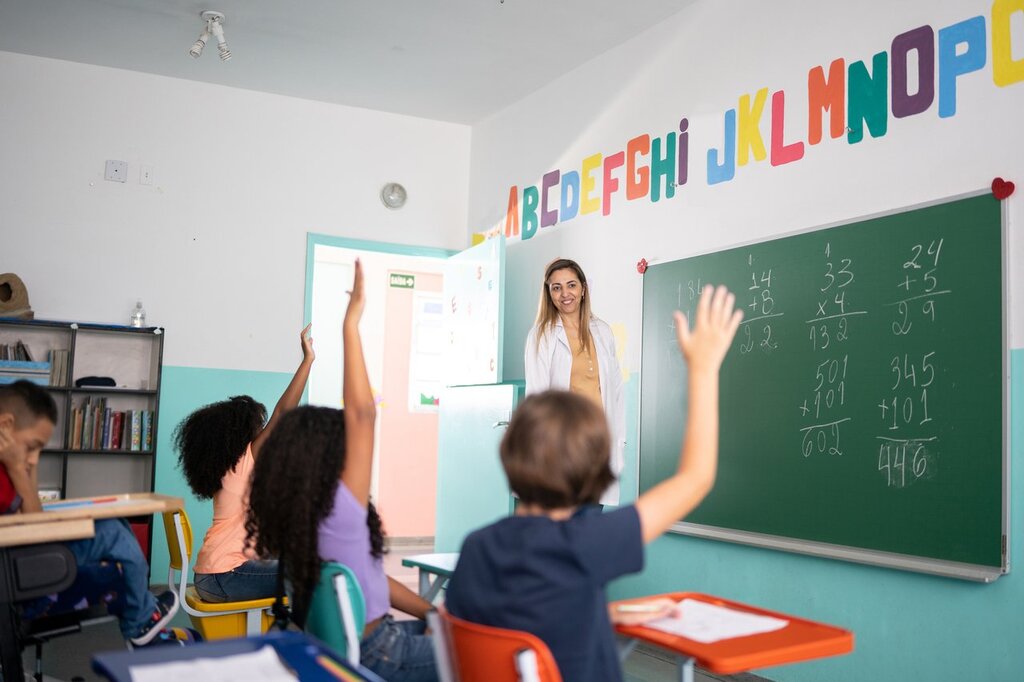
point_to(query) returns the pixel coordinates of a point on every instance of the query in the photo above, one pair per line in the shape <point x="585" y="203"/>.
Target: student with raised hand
<point x="218" y="446"/>
<point x="27" y="418"/>
<point x="544" y="570"/>
<point x="310" y="503"/>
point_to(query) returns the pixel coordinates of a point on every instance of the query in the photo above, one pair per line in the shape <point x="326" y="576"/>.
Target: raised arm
<point x="704" y="348"/>
<point x="291" y="396"/>
<point x="360" y="408"/>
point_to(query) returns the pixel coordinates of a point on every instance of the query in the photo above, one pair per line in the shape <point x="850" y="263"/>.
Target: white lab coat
<point x="549" y="365"/>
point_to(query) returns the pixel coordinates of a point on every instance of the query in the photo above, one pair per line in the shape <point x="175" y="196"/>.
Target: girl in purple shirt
<point x="310" y="502"/>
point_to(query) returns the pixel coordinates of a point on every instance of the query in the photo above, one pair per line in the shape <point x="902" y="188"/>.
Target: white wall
<point x="697" y="65"/>
<point x="216" y="246"/>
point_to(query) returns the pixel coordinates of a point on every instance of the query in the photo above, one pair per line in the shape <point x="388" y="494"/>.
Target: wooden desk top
<point x="72" y="519"/>
<point x="800" y="640"/>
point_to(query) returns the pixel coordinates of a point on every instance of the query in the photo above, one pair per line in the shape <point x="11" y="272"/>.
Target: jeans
<point x="399" y="651"/>
<point x="252" y="580"/>
<point x="114" y="541"/>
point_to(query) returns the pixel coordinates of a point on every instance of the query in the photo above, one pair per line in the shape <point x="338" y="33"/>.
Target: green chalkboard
<point x="863" y="399"/>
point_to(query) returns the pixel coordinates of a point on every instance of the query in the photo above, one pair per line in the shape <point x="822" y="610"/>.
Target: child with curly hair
<point x="218" y="446"/>
<point x="310" y="502"/>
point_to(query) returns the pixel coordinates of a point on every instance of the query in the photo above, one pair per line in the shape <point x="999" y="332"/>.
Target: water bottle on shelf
<point x="138" y="317"/>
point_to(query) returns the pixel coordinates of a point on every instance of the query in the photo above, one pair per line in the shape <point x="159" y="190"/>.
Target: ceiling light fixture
<point x="214" y="25"/>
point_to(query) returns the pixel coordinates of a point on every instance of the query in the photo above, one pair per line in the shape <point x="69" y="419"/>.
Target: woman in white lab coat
<point x="570" y="349"/>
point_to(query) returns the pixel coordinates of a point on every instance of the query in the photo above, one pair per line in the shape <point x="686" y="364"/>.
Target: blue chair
<point x="337" y="611"/>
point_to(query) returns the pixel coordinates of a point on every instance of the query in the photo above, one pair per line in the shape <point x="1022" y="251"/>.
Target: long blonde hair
<point x="547" y="313"/>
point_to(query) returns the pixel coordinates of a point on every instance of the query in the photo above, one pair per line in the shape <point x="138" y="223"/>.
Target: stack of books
<point x="94" y="426"/>
<point x="15" y="351"/>
<point x="16" y="364"/>
<point x="59" y="367"/>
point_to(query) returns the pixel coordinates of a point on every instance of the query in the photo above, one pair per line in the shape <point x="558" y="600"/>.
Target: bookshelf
<point x="133" y="358"/>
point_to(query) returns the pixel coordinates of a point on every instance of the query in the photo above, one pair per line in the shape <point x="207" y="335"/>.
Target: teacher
<point x="570" y="349"/>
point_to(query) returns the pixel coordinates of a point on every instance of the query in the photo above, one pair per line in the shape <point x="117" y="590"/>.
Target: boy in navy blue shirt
<point x="545" y="569"/>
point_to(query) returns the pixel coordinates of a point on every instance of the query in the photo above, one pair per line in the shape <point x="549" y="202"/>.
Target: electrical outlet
<point x="116" y="171"/>
<point x="145" y="175"/>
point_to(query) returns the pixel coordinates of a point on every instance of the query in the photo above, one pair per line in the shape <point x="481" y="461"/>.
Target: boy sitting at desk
<point x="544" y="570"/>
<point x="27" y="418"/>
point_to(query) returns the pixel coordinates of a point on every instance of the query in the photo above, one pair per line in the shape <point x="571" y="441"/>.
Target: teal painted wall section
<point x="907" y="626"/>
<point x="182" y="390"/>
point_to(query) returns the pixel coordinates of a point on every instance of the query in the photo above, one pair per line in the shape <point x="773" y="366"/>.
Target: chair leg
<point x="39" y="662"/>
<point x="254" y="623"/>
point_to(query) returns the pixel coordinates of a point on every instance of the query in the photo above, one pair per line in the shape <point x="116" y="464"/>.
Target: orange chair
<point x="467" y="652"/>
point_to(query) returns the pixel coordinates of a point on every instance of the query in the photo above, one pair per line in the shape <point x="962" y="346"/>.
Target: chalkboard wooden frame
<point x="986" y="571"/>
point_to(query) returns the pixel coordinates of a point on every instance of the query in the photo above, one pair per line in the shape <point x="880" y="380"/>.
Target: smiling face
<point x="566" y="291"/>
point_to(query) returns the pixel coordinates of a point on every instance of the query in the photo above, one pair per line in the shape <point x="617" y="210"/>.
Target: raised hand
<point x="307" y="342"/>
<point x="357" y="297"/>
<point x="717" y="321"/>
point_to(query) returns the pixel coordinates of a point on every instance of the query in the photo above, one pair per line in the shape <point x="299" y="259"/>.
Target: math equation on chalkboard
<point x="866" y="383"/>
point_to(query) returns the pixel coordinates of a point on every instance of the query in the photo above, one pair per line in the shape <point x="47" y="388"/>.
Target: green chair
<point x="337" y="611"/>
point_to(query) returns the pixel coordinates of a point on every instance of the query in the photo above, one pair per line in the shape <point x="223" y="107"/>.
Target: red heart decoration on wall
<point x="641" y="266"/>
<point x="1002" y="188"/>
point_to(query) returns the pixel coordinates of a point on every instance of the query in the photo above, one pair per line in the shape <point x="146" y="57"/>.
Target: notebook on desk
<point x="300" y="656"/>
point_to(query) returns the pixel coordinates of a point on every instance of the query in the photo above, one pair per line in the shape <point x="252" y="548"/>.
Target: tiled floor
<point x="68" y="658"/>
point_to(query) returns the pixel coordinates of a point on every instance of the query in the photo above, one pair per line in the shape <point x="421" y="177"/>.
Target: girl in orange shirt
<point x="218" y="445"/>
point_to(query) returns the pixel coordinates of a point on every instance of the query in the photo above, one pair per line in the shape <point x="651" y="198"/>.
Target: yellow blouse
<point x="584" y="378"/>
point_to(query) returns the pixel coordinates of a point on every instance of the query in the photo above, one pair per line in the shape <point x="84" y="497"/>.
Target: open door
<point x="433" y="318"/>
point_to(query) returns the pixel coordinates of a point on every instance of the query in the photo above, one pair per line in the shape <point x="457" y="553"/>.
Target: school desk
<point x="308" y="658"/>
<point x="435" y="569"/>
<point x="58" y="522"/>
<point x="799" y="640"/>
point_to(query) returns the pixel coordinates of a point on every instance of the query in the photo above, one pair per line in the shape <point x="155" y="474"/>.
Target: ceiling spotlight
<point x="214" y="25"/>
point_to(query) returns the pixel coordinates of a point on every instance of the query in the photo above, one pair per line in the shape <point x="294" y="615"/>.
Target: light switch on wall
<point x="116" y="171"/>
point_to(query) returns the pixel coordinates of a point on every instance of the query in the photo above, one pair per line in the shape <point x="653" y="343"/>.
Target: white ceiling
<point x="452" y="60"/>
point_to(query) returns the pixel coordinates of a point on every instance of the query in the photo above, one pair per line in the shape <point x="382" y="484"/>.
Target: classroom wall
<point x="698" y="65"/>
<point x="216" y="246"/>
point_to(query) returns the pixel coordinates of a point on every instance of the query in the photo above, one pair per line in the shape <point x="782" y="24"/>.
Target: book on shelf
<point x="76" y="429"/>
<point x="59" y="367"/>
<point x="105" y="440"/>
<point x="15" y="351"/>
<point x="10" y="379"/>
<point x="115" y="431"/>
<point x="17" y="370"/>
<point x="136" y="430"/>
<point x="147" y="430"/>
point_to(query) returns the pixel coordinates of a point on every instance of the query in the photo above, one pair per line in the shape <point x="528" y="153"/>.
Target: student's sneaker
<point x="172" y="637"/>
<point x="166" y="607"/>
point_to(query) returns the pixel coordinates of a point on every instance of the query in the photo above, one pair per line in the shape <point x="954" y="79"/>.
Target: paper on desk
<point x="706" y="623"/>
<point x="262" y="665"/>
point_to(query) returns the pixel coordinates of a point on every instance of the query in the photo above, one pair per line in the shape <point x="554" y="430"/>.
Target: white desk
<point x="435" y="569"/>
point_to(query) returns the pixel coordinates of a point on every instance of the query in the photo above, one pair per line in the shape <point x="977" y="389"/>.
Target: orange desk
<point x="800" y="640"/>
